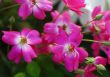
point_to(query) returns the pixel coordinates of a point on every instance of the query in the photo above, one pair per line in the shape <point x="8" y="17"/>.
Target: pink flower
<point x="66" y="50"/>
<point x="43" y="48"/>
<point x="37" y="7"/>
<point x="60" y="21"/>
<point x="75" y="5"/>
<point x="23" y="44"/>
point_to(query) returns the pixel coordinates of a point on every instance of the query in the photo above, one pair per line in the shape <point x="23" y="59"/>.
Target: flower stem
<point x="8" y="7"/>
<point x="85" y="32"/>
<point x="89" y="40"/>
<point x="106" y="43"/>
<point x="3" y="57"/>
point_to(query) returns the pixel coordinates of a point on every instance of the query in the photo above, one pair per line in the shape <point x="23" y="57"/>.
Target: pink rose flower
<point x="60" y="21"/>
<point x="23" y="44"/>
<point x="65" y="50"/>
<point x="37" y="7"/>
<point x="75" y="5"/>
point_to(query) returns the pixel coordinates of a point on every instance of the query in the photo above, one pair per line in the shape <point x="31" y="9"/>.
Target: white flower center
<point x="69" y="48"/>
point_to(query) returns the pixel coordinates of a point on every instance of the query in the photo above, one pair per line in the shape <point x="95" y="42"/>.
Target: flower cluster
<point x="37" y="7"/>
<point x="65" y="43"/>
<point x="61" y="37"/>
<point x="100" y="29"/>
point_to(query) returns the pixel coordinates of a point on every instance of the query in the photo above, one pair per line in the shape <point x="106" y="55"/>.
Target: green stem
<point x="10" y="27"/>
<point x="5" y="8"/>
<point x="88" y="40"/>
<point x="3" y="57"/>
<point x="85" y="25"/>
<point x="85" y="32"/>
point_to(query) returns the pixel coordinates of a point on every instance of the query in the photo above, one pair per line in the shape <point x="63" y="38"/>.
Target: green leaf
<point x="54" y="73"/>
<point x="33" y="69"/>
<point x="21" y="74"/>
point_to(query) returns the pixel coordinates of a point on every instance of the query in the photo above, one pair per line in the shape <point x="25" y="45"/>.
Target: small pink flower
<point x="75" y="5"/>
<point x="37" y="7"/>
<point x="23" y="44"/>
<point x="66" y="50"/>
<point x="60" y="21"/>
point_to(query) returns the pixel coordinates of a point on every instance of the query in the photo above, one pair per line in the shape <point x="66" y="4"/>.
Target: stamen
<point x="64" y="27"/>
<point x="34" y="2"/>
<point x="23" y="40"/>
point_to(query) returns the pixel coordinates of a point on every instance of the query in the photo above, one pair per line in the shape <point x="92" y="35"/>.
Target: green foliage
<point x="21" y="74"/>
<point x="33" y="69"/>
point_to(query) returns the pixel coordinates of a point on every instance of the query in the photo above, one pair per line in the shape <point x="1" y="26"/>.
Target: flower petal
<point x="24" y="11"/>
<point x="20" y="1"/>
<point x="74" y="39"/>
<point x="25" y="31"/>
<point x="51" y="28"/>
<point x="100" y="60"/>
<point x="38" y="13"/>
<point x="71" y="61"/>
<point x="82" y="54"/>
<point x="15" y="54"/>
<point x="96" y="11"/>
<point x="10" y="37"/>
<point x="96" y="49"/>
<point x="28" y="53"/>
<point x="57" y="53"/>
<point x="61" y="38"/>
<point x="33" y="37"/>
<point x="46" y="7"/>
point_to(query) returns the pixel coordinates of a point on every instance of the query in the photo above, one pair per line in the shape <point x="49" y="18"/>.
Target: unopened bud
<point x="97" y="29"/>
<point x="12" y="19"/>
<point x="90" y="60"/>
<point x="100" y="67"/>
<point x="106" y="43"/>
<point x="98" y="17"/>
<point x="80" y="71"/>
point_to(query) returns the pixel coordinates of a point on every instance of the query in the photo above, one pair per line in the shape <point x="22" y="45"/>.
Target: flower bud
<point x="100" y="67"/>
<point x="106" y="43"/>
<point x="98" y="17"/>
<point x="80" y="71"/>
<point x="12" y="19"/>
<point x="96" y="28"/>
<point x="90" y="60"/>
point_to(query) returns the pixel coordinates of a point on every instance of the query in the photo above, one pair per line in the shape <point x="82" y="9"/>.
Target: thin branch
<point x="8" y="7"/>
